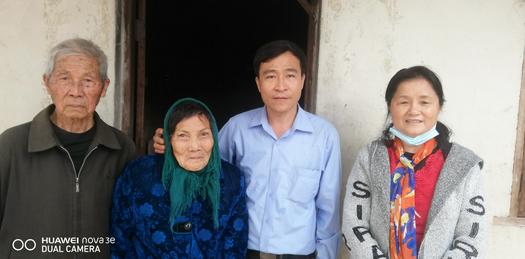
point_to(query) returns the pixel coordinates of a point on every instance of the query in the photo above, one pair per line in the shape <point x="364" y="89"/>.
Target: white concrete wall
<point x="476" y="47"/>
<point x="28" y="29"/>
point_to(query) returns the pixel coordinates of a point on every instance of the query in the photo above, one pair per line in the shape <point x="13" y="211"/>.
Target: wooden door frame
<point x="313" y="9"/>
<point x="130" y="65"/>
<point x="517" y="205"/>
<point x="130" y="70"/>
<point x="124" y="66"/>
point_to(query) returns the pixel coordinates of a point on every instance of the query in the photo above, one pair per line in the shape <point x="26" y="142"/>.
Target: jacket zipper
<point x="77" y="174"/>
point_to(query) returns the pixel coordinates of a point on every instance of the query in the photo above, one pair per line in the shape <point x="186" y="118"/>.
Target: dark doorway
<point x="204" y="49"/>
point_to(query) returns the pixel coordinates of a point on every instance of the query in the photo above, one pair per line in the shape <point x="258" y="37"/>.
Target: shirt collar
<point x="301" y="122"/>
<point x="42" y="136"/>
<point x="259" y="117"/>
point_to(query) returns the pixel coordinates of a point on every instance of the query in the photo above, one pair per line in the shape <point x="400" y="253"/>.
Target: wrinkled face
<point x="192" y="142"/>
<point x="75" y="86"/>
<point x="414" y="107"/>
<point x="280" y="82"/>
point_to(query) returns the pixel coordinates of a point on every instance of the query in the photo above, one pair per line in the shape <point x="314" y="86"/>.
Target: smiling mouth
<point x="412" y="121"/>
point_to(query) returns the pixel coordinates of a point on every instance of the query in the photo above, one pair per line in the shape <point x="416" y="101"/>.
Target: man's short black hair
<point x="273" y="49"/>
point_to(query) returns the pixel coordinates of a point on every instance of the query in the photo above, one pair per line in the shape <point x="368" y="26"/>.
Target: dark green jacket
<point x="42" y="198"/>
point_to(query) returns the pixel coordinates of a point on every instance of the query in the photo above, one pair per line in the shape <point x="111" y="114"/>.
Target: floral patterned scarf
<point x="403" y="243"/>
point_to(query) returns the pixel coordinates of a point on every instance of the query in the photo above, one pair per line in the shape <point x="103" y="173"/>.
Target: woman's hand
<point x="158" y="142"/>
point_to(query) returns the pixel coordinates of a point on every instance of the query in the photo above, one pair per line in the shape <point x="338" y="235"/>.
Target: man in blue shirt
<point x="291" y="160"/>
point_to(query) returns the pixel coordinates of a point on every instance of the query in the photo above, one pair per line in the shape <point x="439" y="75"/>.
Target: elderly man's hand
<point x="158" y="142"/>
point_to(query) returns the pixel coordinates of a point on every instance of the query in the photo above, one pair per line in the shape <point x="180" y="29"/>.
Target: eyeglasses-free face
<point x="75" y="87"/>
<point x="192" y="143"/>
<point x="414" y="107"/>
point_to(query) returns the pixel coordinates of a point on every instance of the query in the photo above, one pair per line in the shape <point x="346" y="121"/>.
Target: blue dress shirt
<point x="292" y="182"/>
<point x="141" y="209"/>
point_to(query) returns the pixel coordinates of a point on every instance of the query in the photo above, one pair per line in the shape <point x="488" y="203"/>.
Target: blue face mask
<point x="417" y="140"/>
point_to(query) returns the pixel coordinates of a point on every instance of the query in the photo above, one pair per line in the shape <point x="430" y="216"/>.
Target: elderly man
<point x="57" y="171"/>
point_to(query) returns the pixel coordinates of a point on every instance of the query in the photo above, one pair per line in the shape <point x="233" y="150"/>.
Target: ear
<point x="303" y="78"/>
<point x="45" y="81"/>
<point x="258" y="83"/>
<point x="105" y="87"/>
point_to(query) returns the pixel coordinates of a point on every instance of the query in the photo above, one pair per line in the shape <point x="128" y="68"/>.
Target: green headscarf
<point x="185" y="185"/>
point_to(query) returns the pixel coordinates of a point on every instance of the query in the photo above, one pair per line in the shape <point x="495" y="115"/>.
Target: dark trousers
<point x="253" y="254"/>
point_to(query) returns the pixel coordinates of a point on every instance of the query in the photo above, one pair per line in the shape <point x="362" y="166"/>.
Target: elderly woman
<point x="413" y="193"/>
<point x="184" y="204"/>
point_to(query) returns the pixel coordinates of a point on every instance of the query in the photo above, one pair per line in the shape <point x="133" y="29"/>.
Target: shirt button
<point x="187" y="226"/>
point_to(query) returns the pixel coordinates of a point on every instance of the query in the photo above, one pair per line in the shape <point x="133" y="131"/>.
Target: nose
<point x="76" y="89"/>
<point x="281" y="85"/>
<point x="414" y="108"/>
<point x="194" y="144"/>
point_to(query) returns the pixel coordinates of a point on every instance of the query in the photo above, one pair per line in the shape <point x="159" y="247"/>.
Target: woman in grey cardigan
<point x="413" y="194"/>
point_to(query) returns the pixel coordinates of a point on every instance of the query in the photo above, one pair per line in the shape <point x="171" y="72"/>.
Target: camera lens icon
<point x="19" y="244"/>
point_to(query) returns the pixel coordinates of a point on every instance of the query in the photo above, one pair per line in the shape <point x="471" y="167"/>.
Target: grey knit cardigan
<point x="456" y="224"/>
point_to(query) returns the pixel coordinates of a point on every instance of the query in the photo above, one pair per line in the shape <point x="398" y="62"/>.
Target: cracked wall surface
<point x="28" y="29"/>
<point x="476" y="47"/>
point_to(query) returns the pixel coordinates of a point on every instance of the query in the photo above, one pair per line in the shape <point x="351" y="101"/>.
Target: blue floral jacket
<point x="141" y="209"/>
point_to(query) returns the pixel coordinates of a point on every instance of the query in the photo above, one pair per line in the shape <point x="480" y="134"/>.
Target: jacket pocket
<point x="305" y="185"/>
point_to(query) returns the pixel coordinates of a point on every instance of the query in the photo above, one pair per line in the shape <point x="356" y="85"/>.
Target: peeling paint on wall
<point x="387" y="62"/>
<point x="106" y="22"/>
<point x="29" y="30"/>
<point x="476" y="47"/>
<point x="53" y="17"/>
<point x="335" y="6"/>
<point x="392" y="10"/>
